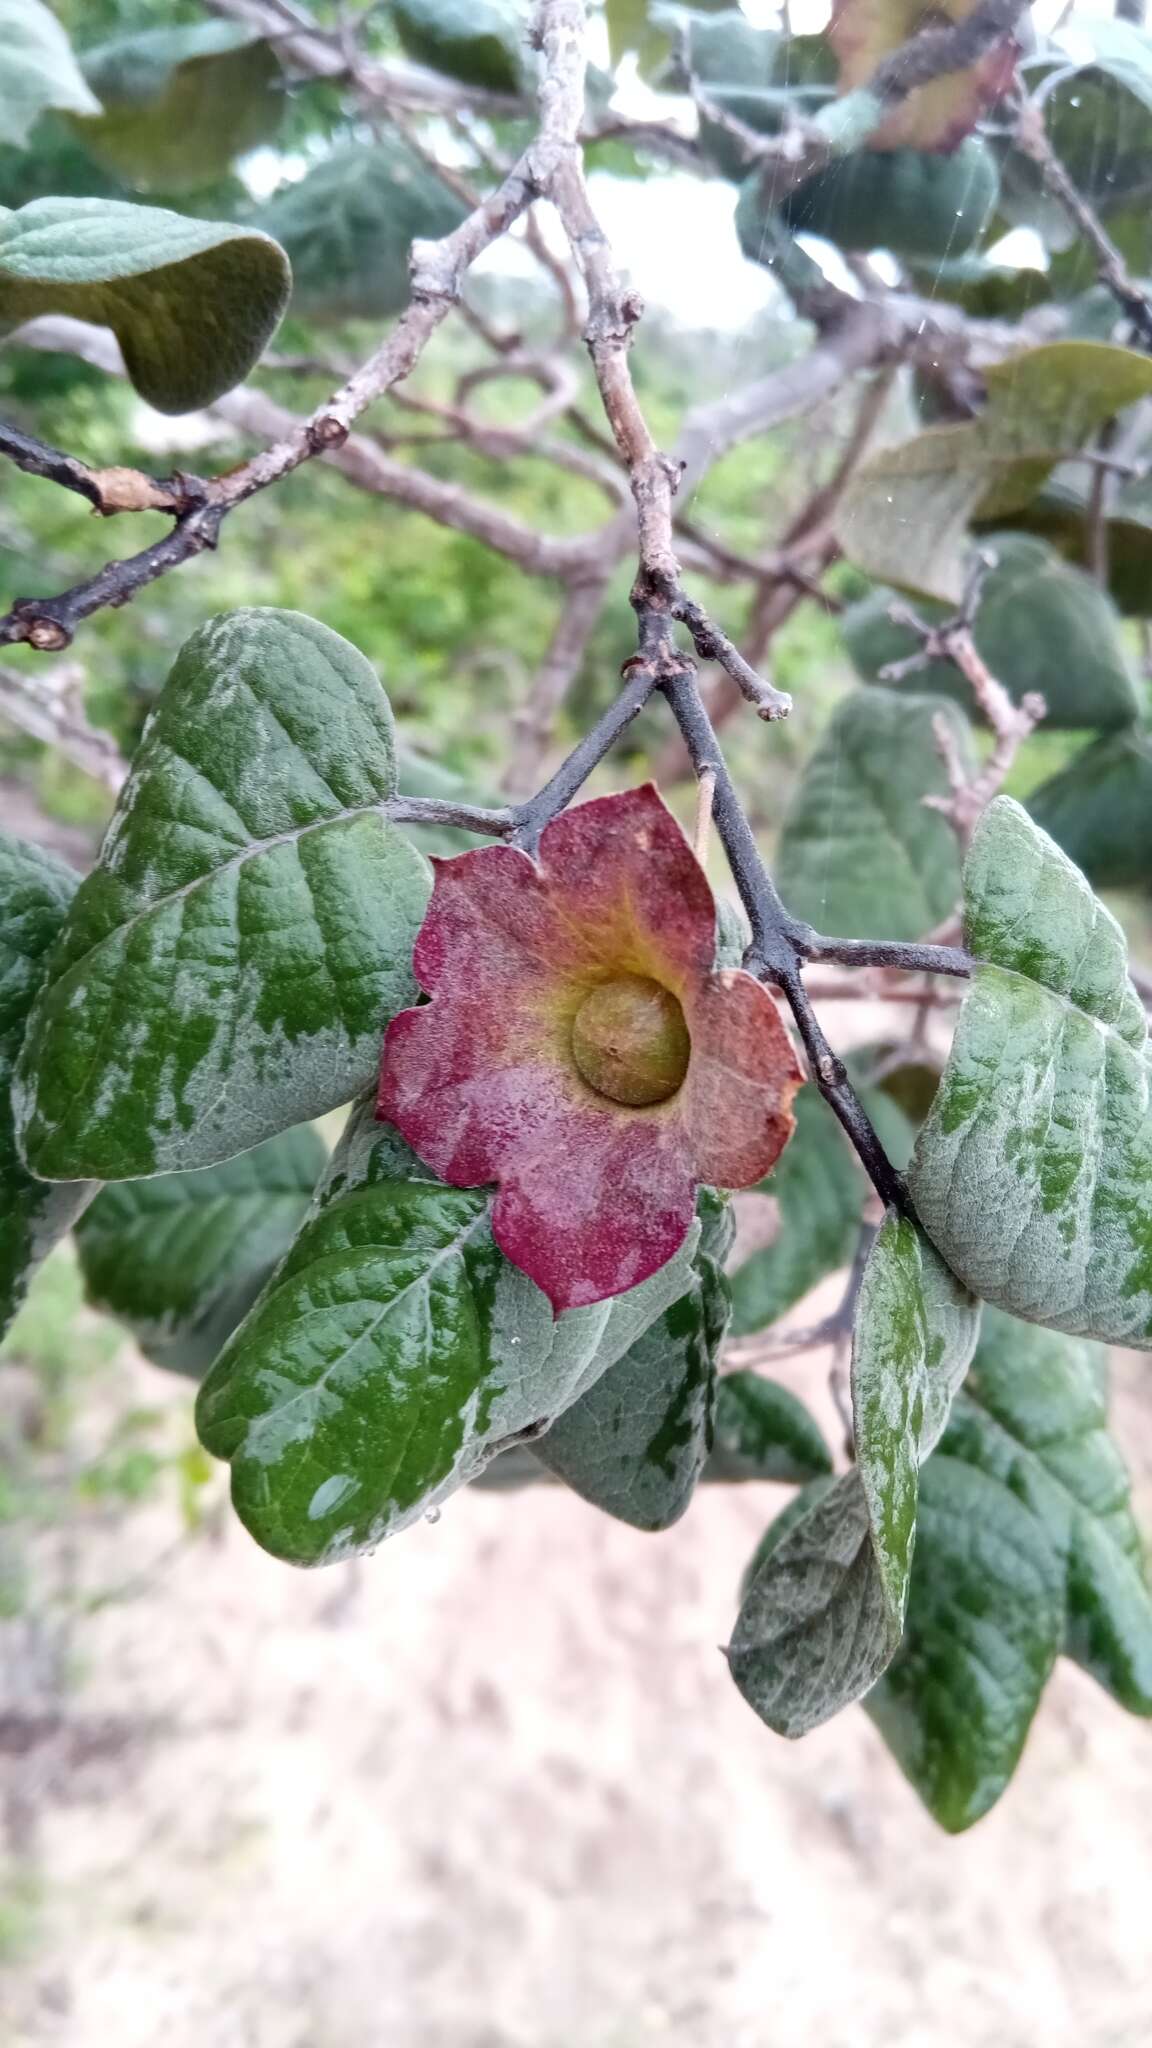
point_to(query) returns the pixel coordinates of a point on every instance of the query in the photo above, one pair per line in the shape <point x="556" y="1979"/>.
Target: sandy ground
<point x="493" y="1789"/>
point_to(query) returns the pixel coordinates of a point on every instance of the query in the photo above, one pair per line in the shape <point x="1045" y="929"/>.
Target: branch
<point x="789" y="159"/>
<point x="907" y="956"/>
<point x="1033" y="141"/>
<point x="49" y="706"/>
<point x="1011" y="723"/>
<point x="310" y="51"/>
<point x="107" y="490"/>
<point x="437" y="269"/>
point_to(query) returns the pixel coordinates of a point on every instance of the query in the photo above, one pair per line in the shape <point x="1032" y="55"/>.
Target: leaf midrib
<point x="439" y="1259"/>
<point x="252" y="851"/>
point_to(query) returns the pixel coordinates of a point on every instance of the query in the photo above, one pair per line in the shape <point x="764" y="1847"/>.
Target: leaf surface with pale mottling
<point x="228" y="967"/>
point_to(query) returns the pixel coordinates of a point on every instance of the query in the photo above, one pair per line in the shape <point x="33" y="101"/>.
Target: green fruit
<point x="908" y="200"/>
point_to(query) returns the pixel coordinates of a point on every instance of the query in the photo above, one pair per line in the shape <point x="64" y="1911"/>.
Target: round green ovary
<point x="630" y="1041"/>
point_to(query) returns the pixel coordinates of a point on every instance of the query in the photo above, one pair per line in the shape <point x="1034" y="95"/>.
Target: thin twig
<point x="107" y="490"/>
<point x="1033" y="140"/>
<point x="48" y="705"/>
<point x="953" y="640"/>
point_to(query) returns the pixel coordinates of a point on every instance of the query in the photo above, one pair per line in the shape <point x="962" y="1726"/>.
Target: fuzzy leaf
<point x="1033" y="1414"/>
<point x="480" y="42"/>
<point x="181" y="1258"/>
<point x="932" y="117"/>
<point x="180" y="103"/>
<point x="191" y="302"/>
<point x="349" y="224"/>
<point x="35" y="891"/>
<point x="1097" y="98"/>
<point x="823" y="1612"/>
<point x="981" y="1636"/>
<point x="229" y="965"/>
<point x="636" y="1442"/>
<point x="37" y="70"/>
<point x="860" y="854"/>
<point x="916" y="1330"/>
<point x="1099" y="810"/>
<point x="904" y="515"/>
<point x="814" y="1629"/>
<point x="1033" y="1171"/>
<point x="761" y="1431"/>
<point x="1059" y="514"/>
<point x="919" y="206"/>
<point x="577" y="1015"/>
<point x="1041" y="625"/>
<point x="394" y="1352"/>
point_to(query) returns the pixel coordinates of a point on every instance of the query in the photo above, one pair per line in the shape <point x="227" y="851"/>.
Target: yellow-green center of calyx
<point x="630" y="1041"/>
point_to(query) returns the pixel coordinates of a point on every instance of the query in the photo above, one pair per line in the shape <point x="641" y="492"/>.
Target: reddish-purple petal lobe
<point x="612" y="1215"/>
<point x="632" y="886"/>
<point x="595" y="1193"/>
<point x="741" y="1079"/>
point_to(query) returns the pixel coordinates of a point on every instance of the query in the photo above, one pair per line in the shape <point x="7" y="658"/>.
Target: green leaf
<point x="1033" y="1171"/>
<point x="823" y="1612"/>
<point x="819" y="1190"/>
<point x="634" y="25"/>
<point x="349" y="225"/>
<point x="814" y="1630"/>
<point x="1099" y="810"/>
<point x="1033" y="1414"/>
<point x="916" y="1330"/>
<point x="181" y="1258"/>
<point x="1041" y="625"/>
<point x="180" y="103"/>
<point x="789" y="1516"/>
<point x="636" y="1442"/>
<point x="988" y="290"/>
<point x="1060" y="514"/>
<point x="1098" y="114"/>
<point x="915" y="202"/>
<point x="982" y="1633"/>
<point x="37" y="70"/>
<point x="860" y="853"/>
<point x="904" y="515"/>
<point x="392" y="1354"/>
<point x="35" y="891"/>
<point x="229" y="966"/>
<point x="480" y="42"/>
<point x="191" y="302"/>
<point x="761" y="1431"/>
